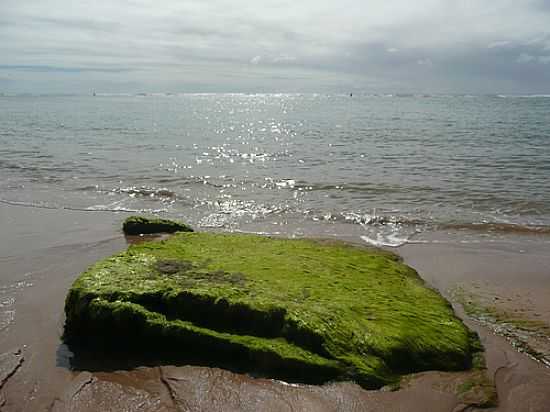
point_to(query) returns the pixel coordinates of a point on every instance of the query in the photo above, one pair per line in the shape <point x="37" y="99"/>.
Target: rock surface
<point x="139" y="225"/>
<point x="200" y="389"/>
<point x="300" y="310"/>
<point x="10" y="362"/>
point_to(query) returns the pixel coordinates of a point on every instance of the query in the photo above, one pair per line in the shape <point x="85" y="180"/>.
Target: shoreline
<point x="47" y="249"/>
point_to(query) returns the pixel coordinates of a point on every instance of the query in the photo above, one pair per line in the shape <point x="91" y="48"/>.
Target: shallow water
<point x="386" y="169"/>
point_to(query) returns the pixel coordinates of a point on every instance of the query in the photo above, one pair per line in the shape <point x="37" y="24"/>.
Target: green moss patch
<point x="300" y="309"/>
<point x="139" y="225"/>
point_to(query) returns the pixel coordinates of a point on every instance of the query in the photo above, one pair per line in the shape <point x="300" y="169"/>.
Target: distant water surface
<point x="385" y="169"/>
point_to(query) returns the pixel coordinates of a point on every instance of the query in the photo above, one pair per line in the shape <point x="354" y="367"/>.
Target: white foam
<point x="388" y="241"/>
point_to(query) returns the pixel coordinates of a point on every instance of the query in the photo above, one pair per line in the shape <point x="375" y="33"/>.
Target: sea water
<point x="384" y="169"/>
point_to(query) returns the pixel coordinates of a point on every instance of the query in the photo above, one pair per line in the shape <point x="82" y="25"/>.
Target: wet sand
<point x="504" y="284"/>
<point x="42" y="252"/>
<point x="512" y="276"/>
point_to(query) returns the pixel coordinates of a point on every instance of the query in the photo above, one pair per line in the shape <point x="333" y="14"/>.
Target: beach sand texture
<point x="47" y="249"/>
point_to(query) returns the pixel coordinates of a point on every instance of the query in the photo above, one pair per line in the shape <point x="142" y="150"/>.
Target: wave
<point x="372" y="219"/>
<point x="375" y="219"/>
<point x="524" y="96"/>
<point x="229" y="212"/>
<point x="358" y="187"/>
<point x="95" y="208"/>
<point x="146" y="191"/>
<point x="162" y="193"/>
<point x="388" y="228"/>
<point x="388" y="241"/>
<point x="497" y="228"/>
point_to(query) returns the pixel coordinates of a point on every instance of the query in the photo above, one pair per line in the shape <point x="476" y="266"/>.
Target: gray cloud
<point x="277" y="45"/>
<point x="50" y="69"/>
<point x="5" y="81"/>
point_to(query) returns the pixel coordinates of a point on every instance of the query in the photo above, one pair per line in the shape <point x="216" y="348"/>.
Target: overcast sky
<point x="464" y="46"/>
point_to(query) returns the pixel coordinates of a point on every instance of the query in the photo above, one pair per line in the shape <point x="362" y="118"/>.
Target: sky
<point x="130" y="46"/>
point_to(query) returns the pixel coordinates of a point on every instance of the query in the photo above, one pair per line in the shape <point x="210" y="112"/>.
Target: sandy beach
<point x="43" y="251"/>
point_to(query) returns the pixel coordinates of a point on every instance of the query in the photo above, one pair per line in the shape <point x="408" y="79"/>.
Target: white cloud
<point x="525" y="58"/>
<point x="424" y="62"/>
<point x="283" y="58"/>
<point x="256" y="60"/>
<point x="528" y="58"/>
<point x="499" y="44"/>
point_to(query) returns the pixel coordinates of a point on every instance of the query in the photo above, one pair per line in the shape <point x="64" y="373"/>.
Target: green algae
<point x="139" y="225"/>
<point x="312" y="311"/>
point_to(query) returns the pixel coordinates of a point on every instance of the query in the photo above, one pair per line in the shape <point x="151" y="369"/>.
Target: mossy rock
<point x="139" y="225"/>
<point x="302" y="310"/>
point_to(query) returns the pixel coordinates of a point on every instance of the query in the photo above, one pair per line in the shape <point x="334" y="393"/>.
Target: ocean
<point x="381" y="169"/>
